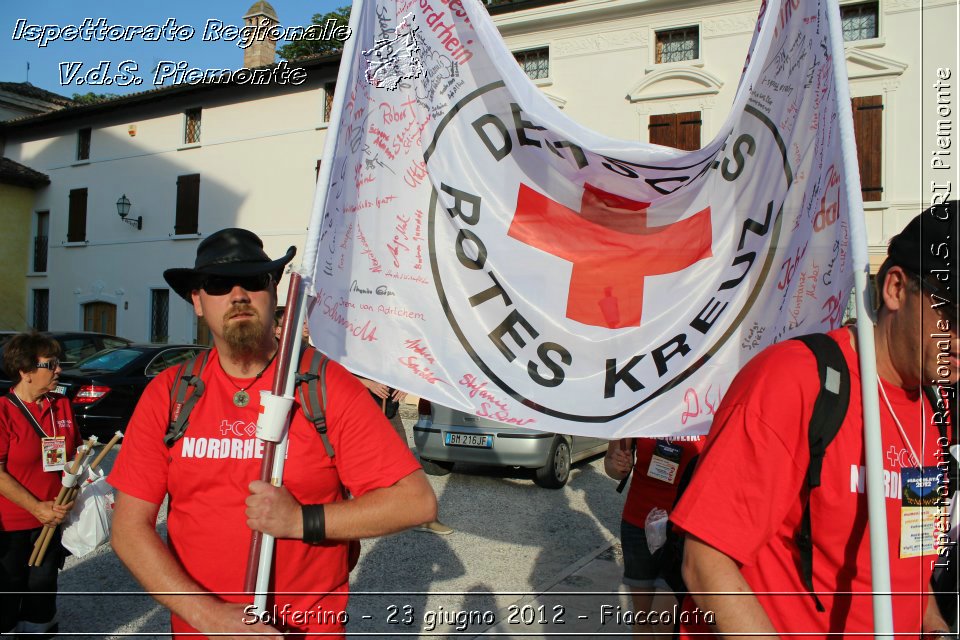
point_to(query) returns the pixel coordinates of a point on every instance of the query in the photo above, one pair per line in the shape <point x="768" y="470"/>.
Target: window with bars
<point x="328" y="90"/>
<point x="188" y="204"/>
<point x="159" y="314"/>
<point x="40" y="241"/>
<point x="534" y="62"/>
<point x="77" y="220"/>
<point x="41" y="309"/>
<point x="676" y="45"/>
<point x="83" y="143"/>
<point x="191" y="130"/>
<point x="859" y="21"/>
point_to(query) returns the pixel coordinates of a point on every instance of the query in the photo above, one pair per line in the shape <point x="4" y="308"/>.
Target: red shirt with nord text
<point x="207" y="472"/>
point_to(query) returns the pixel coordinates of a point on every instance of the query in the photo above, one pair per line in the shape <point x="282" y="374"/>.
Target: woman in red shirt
<point x="37" y="436"/>
<point x="657" y="465"/>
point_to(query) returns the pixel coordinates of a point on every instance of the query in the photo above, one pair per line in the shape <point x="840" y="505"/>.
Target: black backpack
<point x="829" y="410"/>
<point x="311" y="391"/>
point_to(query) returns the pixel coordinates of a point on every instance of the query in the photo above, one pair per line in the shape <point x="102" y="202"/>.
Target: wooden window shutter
<point x="868" y="132"/>
<point x="77" y="221"/>
<point x="663" y="129"/>
<point x="688" y="130"/>
<point x="188" y="204"/>
<point x="677" y="130"/>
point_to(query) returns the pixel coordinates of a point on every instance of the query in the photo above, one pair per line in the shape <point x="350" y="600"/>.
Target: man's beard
<point x="244" y="337"/>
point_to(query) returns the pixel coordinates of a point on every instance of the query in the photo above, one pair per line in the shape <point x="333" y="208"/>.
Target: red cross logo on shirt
<point x="895" y="456"/>
<point x="612" y="249"/>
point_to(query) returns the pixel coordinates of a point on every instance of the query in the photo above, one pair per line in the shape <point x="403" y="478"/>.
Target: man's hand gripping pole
<point x="272" y="427"/>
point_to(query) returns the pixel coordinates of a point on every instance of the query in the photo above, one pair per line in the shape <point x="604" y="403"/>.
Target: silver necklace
<point x="241" y="398"/>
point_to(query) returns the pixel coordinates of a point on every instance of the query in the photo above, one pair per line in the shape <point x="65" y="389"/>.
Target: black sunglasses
<point x="51" y="364"/>
<point x="939" y="302"/>
<point x="945" y="311"/>
<point x="222" y="285"/>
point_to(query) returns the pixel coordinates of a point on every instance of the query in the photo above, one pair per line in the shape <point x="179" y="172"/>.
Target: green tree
<point x="311" y="45"/>
<point x="91" y="97"/>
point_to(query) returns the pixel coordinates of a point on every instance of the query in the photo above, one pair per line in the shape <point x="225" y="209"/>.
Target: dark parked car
<point x="105" y="388"/>
<point x="445" y="436"/>
<point x="74" y="347"/>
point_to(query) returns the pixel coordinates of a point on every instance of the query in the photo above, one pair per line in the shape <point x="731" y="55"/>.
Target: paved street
<point x="512" y="540"/>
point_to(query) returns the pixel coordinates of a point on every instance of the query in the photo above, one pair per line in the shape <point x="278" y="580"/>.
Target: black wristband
<point x="314" y="523"/>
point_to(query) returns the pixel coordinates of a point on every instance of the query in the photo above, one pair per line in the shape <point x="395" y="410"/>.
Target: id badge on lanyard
<point x="918" y="510"/>
<point x="665" y="462"/>
<point x="53" y="448"/>
<point x="53" y="452"/>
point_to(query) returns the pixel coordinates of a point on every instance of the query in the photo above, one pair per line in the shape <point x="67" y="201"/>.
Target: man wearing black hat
<point x="743" y="509"/>
<point x="210" y="473"/>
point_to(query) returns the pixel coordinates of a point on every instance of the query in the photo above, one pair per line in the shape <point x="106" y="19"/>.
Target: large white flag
<point x="478" y="248"/>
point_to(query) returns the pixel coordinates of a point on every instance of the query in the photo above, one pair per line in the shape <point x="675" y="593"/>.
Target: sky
<point x="52" y="67"/>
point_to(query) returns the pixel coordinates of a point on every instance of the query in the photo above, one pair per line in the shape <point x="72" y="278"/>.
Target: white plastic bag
<point x="87" y="526"/>
<point x="655" y="529"/>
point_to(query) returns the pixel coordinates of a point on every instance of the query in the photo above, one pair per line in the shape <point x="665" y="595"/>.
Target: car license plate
<point x="61" y="389"/>
<point x="468" y="440"/>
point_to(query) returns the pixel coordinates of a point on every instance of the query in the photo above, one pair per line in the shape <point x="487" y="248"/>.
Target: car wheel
<point x="555" y="473"/>
<point x="435" y="467"/>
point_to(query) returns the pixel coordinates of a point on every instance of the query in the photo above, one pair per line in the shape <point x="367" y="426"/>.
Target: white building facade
<point x="195" y="159"/>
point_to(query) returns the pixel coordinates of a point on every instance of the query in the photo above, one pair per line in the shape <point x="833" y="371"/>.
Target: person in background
<point x="38" y="436"/>
<point x="389" y="399"/>
<point x="278" y="327"/>
<point x="656" y="465"/>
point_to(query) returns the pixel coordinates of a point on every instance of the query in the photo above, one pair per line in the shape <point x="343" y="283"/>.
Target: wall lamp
<point x="123" y="209"/>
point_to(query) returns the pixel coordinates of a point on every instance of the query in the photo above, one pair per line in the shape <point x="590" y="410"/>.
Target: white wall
<point x="256" y="162"/>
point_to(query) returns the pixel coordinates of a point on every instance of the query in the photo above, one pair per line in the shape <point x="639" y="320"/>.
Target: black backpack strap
<point x="186" y="391"/>
<point x="633" y="450"/>
<point x="829" y="410"/>
<point x="940" y="396"/>
<point x="311" y="385"/>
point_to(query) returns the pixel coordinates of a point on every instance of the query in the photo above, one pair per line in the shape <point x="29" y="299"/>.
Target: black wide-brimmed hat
<point x="927" y="248"/>
<point x="228" y="252"/>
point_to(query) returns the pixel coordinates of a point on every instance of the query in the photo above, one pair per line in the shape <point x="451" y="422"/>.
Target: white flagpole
<point x="309" y="264"/>
<point x="306" y="271"/>
<point x="267" y="541"/>
<point x="873" y="443"/>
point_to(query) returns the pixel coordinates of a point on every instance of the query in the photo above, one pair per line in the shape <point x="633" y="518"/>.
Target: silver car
<point x="445" y="436"/>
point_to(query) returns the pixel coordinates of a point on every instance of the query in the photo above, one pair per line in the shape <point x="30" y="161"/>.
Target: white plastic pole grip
<point x="273" y="415"/>
<point x="69" y="479"/>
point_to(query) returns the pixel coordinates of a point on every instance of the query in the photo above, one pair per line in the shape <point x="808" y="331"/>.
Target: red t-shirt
<point x="650" y="489"/>
<point x="207" y="472"/>
<point x="20" y="452"/>
<point x="744" y="499"/>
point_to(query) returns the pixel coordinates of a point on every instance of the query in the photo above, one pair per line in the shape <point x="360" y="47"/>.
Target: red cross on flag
<point x="611" y="249"/>
<point x="473" y="245"/>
